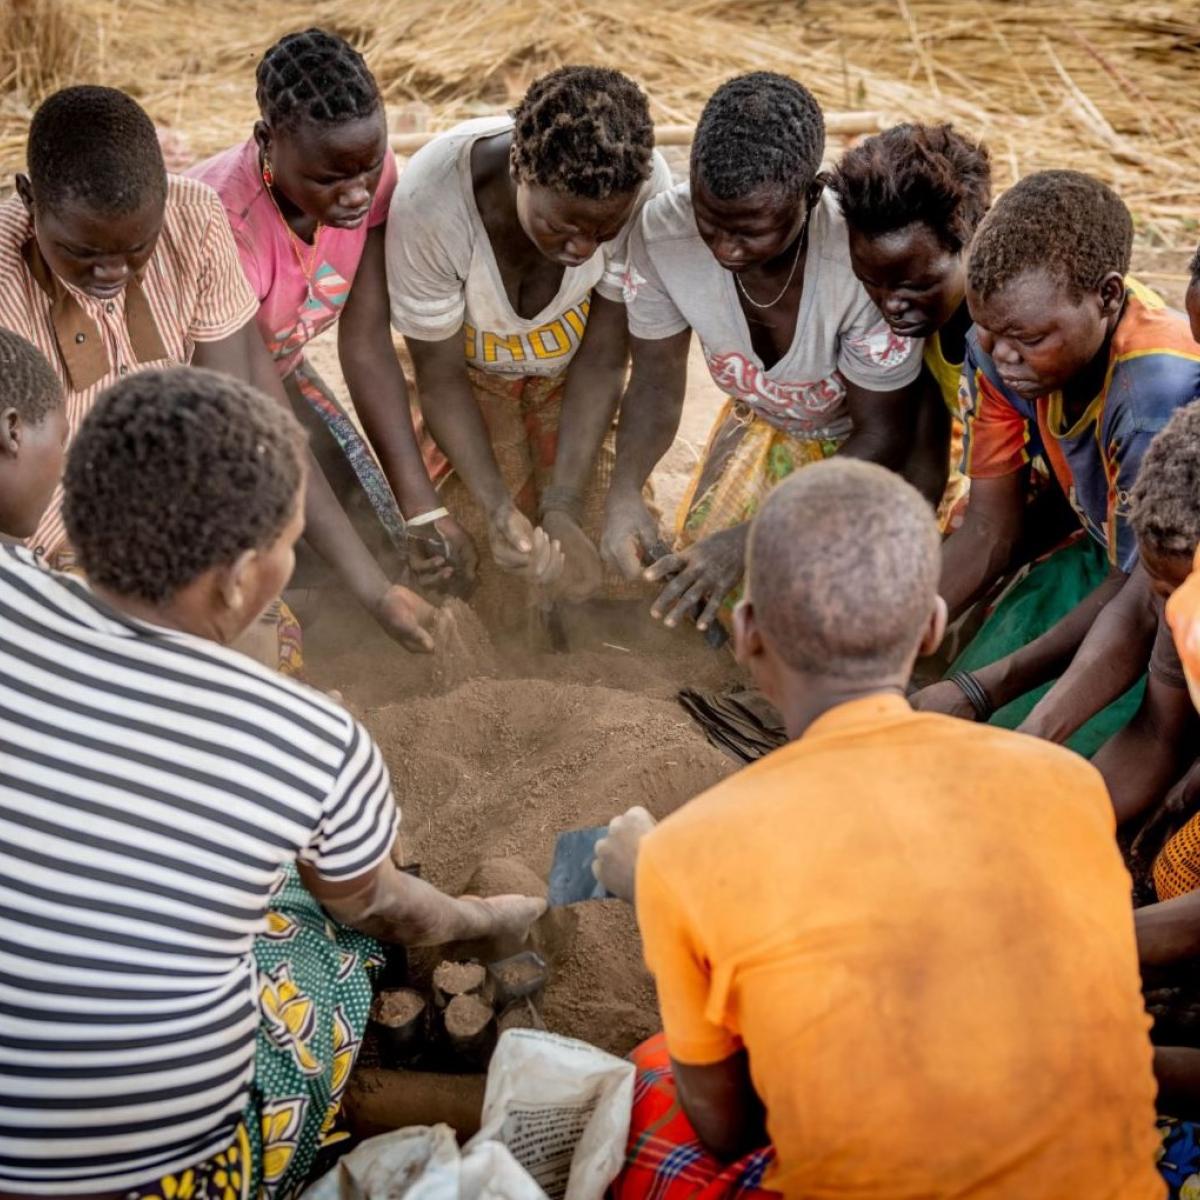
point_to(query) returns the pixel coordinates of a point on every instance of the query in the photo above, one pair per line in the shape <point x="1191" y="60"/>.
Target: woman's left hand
<point x="701" y="575"/>
<point x="407" y="619"/>
<point x="583" y="573"/>
<point x="944" y="697"/>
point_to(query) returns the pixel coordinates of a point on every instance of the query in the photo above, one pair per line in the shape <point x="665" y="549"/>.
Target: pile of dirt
<point x="496" y="768"/>
<point x="464" y="649"/>
<point x="599" y="989"/>
<point x="489" y="773"/>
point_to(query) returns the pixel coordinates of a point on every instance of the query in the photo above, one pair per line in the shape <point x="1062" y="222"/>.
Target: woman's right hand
<point x="406" y="618"/>
<point x="630" y="534"/>
<point x="523" y="549"/>
<point x="506" y="916"/>
<point x="447" y="561"/>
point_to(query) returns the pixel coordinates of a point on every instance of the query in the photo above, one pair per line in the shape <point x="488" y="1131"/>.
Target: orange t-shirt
<point x="920" y="930"/>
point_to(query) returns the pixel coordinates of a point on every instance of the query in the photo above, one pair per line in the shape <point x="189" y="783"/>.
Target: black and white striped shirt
<point x="152" y="784"/>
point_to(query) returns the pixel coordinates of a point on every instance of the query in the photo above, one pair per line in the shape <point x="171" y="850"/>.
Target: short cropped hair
<point x="1064" y="222"/>
<point x="175" y="472"/>
<point x="1165" y="504"/>
<point x="95" y="145"/>
<point x="28" y="383"/>
<point x="910" y="173"/>
<point x="844" y="560"/>
<point x="759" y="130"/>
<point x="584" y="131"/>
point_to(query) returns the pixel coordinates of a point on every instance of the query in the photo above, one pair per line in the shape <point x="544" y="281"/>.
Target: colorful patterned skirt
<point x="664" y="1159"/>
<point x="746" y="456"/>
<point x="314" y="991"/>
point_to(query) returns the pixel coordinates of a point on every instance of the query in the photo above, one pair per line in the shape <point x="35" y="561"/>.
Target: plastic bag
<point x="562" y="1108"/>
<point x="424" y="1163"/>
<point x="555" y="1123"/>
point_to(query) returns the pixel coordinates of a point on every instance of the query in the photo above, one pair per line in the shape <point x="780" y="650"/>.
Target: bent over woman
<point x="194" y="849"/>
<point x="505" y="244"/>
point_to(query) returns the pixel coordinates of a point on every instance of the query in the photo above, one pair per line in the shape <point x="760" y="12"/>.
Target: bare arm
<point x="328" y="529"/>
<point x="650" y="412"/>
<point x="928" y="466"/>
<point x="1141" y="762"/>
<point x="722" y="1106"/>
<point x="592" y="392"/>
<point x="376" y="381"/>
<point x="1168" y="932"/>
<point x="454" y="419"/>
<point x="651" y="408"/>
<point x="380" y="394"/>
<point x="886" y="429"/>
<point x="396" y="907"/>
<point x="1110" y="659"/>
<point x="1033" y="664"/>
<point x="975" y="555"/>
<point x="457" y="424"/>
<point x="1177" y="1069"/>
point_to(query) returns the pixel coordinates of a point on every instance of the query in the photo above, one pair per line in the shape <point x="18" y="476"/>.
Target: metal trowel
<point x="571" y="877"/>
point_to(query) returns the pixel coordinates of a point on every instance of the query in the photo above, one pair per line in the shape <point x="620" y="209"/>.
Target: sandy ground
<point x="494" y="750"/>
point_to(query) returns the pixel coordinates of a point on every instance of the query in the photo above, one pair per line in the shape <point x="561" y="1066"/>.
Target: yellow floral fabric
<point x="314" y="995"/>
<point x="225" y="1176"/>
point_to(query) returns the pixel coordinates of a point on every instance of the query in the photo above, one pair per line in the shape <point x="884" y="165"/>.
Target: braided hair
<point x="97" y="145"/>
<point x="314" y="76"/>
<point x="27" y="381"/>
<point x="585" y="131"/>
<point x="926" y="173"/>
<point x="759" y="130"/>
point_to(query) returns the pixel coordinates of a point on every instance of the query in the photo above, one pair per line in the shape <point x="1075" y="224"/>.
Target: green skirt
<point x="1051" y="589"/>
<point x="314" y="991"/>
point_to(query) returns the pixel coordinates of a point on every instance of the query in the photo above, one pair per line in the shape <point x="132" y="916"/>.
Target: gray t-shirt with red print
<point x="672" y="281"/>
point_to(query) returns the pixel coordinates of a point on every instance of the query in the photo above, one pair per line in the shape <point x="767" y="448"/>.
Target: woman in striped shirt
<point x="109" y="265"/>
<point x="178" y="824"/>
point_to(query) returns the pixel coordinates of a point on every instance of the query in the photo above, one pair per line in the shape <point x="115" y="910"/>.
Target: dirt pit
<point x="523" y="744"/>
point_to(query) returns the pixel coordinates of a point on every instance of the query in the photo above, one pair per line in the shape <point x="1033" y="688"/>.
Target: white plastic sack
<point x="424" y="1163"/>
<point x="562" y="1108"/>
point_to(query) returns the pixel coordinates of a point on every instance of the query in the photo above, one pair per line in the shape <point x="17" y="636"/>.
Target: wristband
<point x="427" y="518"/>
<point x="562" y="499"/>
<point x="974" y="691"/>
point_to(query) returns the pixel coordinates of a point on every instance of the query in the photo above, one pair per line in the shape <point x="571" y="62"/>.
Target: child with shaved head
<point x="874" y="980"/>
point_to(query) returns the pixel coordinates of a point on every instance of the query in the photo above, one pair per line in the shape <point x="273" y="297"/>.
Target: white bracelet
<point x="434" y="514"/>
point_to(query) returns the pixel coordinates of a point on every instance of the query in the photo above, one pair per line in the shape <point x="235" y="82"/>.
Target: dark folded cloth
<point x="744" y="724"/>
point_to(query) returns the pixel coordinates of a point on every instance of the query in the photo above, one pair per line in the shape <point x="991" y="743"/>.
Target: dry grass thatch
<point x="1089" y="84"/>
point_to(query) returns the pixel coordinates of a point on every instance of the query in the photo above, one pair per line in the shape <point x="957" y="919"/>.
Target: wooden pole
<point x="848" y="124"/>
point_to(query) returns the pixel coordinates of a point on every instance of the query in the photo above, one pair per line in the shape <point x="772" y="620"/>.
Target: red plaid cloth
<point x="664" y="1160"/>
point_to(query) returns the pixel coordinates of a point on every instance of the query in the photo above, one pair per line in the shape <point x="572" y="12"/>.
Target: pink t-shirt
<point x="288" y="315"/>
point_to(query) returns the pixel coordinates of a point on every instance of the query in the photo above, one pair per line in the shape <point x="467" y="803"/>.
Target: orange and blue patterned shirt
<point x="1153" y="369"/>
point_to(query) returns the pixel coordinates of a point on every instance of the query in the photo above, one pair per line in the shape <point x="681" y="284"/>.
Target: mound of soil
<point x="489" y="773"/>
